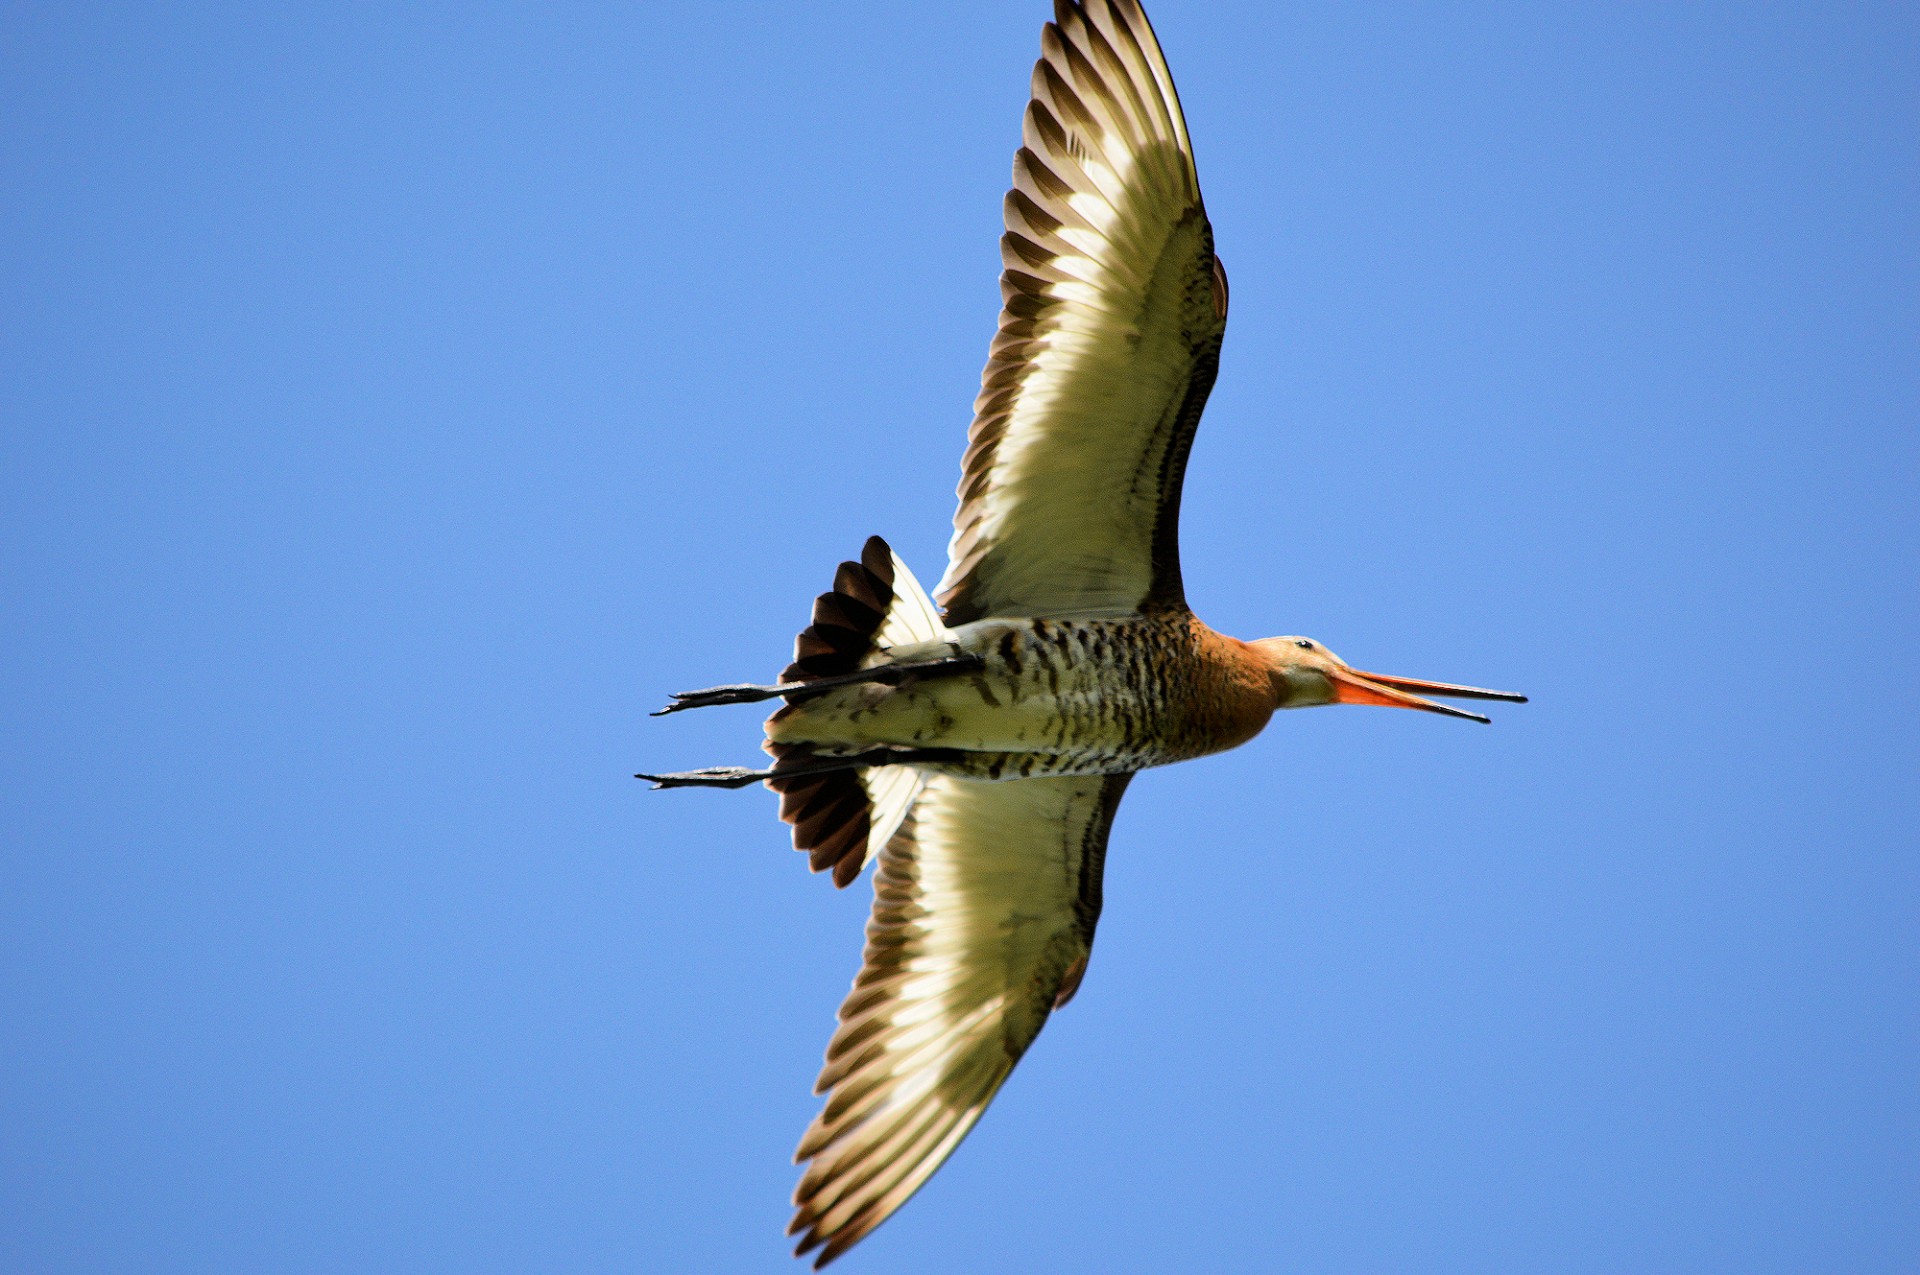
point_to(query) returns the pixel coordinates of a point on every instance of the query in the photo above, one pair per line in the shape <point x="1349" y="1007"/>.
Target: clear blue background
<point x="400" y="401"/>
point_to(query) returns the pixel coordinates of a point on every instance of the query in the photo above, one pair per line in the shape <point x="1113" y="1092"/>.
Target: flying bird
<point x="976" y="750"/>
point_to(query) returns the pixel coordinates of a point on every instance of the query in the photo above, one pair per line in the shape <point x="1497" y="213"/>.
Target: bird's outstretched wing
<point x="983" y="916"/>
<point x="1108" y="342"/>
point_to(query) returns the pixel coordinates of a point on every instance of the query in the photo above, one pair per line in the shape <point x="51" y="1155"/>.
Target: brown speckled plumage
<point x="1069" y="697"/>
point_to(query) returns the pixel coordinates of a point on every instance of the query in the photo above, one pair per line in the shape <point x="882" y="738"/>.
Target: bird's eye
<point x="1303" y="644"/>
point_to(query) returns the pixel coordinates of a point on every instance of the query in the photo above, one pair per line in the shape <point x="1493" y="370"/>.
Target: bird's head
<point x="1304" y="673"/>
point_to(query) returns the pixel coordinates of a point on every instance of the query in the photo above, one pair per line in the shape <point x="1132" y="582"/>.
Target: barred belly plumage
<point x="1054" y="697"/>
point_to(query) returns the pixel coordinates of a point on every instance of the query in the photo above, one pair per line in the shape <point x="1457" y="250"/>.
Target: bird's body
<point x="1055" y="697"/>
<point x="977" y="750"/>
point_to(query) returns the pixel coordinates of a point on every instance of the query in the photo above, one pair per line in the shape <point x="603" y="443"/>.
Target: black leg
<point x="740" y="776"/>
<point x="889" y="674"/>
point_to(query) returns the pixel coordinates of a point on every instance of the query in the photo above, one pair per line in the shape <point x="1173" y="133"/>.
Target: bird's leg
<point x="740" y="776"/>
<point x="887" y="674"/>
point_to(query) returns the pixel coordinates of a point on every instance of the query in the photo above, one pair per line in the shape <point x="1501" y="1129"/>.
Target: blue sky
<point x="402" y="401"/>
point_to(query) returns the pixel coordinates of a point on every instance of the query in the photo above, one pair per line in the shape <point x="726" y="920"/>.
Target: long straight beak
<point x="1350" y="686"/>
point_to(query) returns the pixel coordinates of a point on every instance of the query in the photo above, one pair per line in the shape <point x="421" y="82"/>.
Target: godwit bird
<point x="978" y="750"/>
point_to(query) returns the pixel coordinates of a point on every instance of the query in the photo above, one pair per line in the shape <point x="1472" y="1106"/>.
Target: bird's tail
<point x="843" y="818"/>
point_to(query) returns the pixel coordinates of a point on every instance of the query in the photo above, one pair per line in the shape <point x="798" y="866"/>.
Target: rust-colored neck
<point x="1235" y="689"/>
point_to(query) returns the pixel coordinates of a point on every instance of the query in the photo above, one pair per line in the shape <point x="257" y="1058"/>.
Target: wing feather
<point x="1113" y="310"/>
<point x="983" y="915"/>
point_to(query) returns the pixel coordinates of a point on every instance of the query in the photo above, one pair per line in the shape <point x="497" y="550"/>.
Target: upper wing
<point x="1108" y="342"/>
<point x="983" y="915"/>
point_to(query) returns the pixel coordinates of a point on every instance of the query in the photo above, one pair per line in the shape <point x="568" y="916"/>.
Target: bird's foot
<point x="888" y="674"/>
<point x="795" y="768"/>
<point x="709" y="777"/>
<point x="743" y="693"/>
